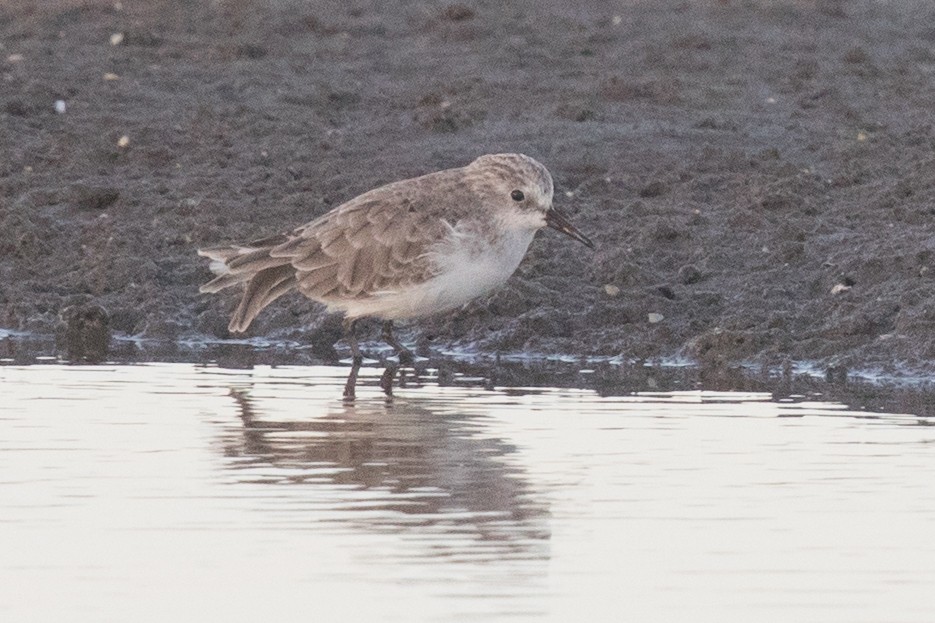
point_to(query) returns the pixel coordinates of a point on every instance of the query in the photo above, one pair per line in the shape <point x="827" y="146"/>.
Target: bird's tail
<point x="265" y="278"/>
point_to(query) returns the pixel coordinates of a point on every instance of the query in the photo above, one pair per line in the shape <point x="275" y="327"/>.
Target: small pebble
<point x="861" y="136"/>
<point x="60" y="107"/>
<point x="123" y="141"/>
<point x="770" y="100"/>
<point x="116" y="38"/>
<point x="14" y="58"/>
<point x="839" y="288"/>
<point x="611" y="290"/>
<point x="616" y="20"/>
<point x="655" y="318"/>
<point x="110" y="76"/>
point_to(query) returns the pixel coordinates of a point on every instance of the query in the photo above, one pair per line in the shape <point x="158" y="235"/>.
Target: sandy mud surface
<point x="758" y="176"/>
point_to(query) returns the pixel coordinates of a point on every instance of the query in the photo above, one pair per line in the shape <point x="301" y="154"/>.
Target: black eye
<point x="517" y="195"/>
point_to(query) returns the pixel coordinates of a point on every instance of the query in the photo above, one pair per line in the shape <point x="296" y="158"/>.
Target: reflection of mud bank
<point x="757" y="176"/>
<point x="606" y="376"/>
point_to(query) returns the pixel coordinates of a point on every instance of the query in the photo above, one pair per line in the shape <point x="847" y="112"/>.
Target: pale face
<point x="516" y="186"/>
<point x="520" y="191"/>
<point x="524" y="202"/>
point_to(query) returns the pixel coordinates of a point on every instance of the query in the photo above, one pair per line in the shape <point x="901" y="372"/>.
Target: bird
<point x="406" y="250"/>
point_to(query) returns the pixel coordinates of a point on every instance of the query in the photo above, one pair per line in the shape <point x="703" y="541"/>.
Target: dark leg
<point x="386" y="379"/>
<point x="404" y="354"/>
<point x="350" y="332"/>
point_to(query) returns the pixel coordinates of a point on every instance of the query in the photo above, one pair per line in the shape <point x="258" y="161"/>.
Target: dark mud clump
<point x="757" y="175"/>
<point x="84" y="333"/>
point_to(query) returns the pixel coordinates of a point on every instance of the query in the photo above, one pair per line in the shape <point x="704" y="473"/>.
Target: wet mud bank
<point x="757" y="175"/>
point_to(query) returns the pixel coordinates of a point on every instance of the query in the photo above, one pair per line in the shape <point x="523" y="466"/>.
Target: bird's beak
<point x="559" y="223"/>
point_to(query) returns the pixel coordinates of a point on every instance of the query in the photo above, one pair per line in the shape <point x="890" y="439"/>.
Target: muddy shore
<point x="758" y="176"/>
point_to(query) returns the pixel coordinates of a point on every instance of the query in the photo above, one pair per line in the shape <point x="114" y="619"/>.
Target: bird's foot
<point x="386" y="380"/>
<point x="351" y="385"/>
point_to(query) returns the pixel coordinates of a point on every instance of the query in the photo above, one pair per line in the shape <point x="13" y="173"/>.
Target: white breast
<point x="469" y="267"/>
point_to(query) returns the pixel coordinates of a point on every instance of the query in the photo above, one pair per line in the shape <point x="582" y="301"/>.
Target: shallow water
<point x="182" y="492"/>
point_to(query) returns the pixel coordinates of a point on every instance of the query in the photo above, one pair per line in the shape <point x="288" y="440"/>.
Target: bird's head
<point x="519" y="189"/>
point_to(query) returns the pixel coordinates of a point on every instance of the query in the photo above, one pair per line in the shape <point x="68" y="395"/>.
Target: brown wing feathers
<point x="266" y="278"/>
<point x="353" y="252"/>
<point x="265" y="287"/>
<point x="349" y="255"/>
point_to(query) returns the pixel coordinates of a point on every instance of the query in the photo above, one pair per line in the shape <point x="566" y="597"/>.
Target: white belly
<point x="467" y="270"/>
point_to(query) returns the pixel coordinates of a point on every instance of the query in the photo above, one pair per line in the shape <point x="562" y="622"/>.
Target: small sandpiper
<point x="410" y="249"/>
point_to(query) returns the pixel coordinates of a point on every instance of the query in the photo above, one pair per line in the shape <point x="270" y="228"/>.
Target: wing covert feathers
<point x="377" y="243"/>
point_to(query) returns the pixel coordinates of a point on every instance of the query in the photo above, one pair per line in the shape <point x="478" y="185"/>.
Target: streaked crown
<point x="506" y="174"/>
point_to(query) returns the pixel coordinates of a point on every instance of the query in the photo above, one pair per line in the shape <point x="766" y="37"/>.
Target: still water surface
<point x="175" y="492"/>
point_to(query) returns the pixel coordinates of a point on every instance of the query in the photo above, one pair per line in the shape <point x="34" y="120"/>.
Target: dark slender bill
<point x="559" y="223"/>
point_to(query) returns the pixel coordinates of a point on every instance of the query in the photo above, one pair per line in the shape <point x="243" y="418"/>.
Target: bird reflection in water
<point x="396" y="465"/>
